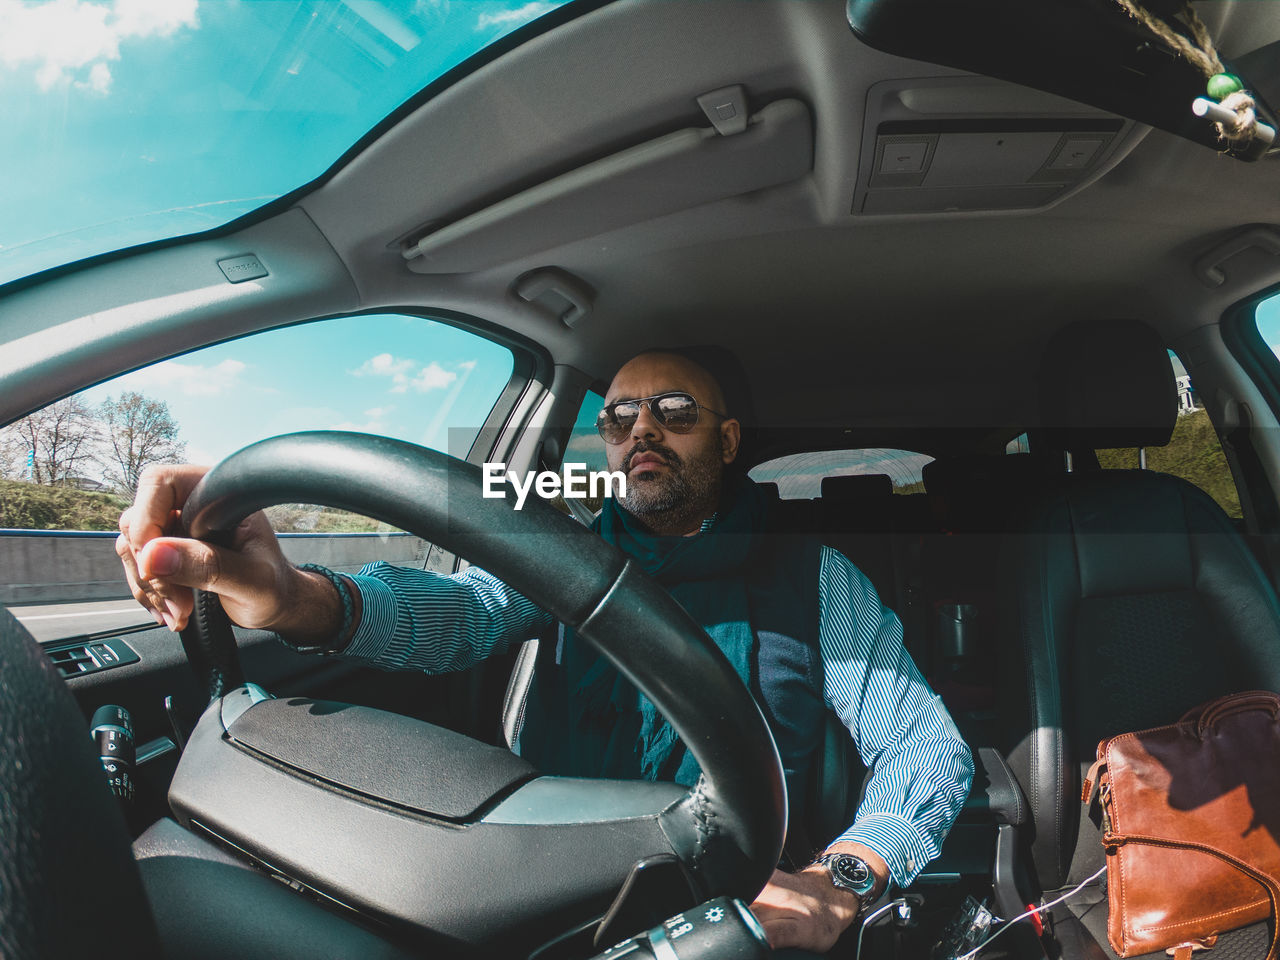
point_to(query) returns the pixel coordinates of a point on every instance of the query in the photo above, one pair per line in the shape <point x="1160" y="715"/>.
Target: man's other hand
<point x="806" y="910"/>
<point x="256" y="584"/>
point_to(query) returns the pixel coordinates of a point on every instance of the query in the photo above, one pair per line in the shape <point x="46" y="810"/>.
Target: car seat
<point x="1127" y="597"/>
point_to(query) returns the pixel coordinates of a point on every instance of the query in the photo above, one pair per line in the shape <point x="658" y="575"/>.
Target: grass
<point x="306" y="518"/>
<point x="33" y="506"/>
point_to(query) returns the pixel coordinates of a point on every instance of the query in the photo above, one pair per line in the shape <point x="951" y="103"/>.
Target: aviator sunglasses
<point x="678" y="412"/>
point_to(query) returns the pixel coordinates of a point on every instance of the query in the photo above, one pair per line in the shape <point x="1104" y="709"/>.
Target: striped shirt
<point x="921" y="768"/>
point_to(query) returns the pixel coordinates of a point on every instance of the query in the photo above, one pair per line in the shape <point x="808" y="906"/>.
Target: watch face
<point x="851" y="872"/>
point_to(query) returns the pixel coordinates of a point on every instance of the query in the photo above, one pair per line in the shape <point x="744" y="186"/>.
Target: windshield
<point x="130" y="121"/>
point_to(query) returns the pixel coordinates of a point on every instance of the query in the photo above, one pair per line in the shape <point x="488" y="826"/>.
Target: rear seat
<point x="973" y="499"/>
<point x="878" y="530"/>
<point x="931" y="556"/>
<point x="856" y="516"/>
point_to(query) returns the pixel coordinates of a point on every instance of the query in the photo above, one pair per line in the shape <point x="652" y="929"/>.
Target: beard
<point x="688" y="485"/>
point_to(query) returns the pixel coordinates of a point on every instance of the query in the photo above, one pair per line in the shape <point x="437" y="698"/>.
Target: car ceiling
<point x="840" y="319"/>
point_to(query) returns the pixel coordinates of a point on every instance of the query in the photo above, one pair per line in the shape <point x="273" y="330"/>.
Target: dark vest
<point x="786" y="679"/>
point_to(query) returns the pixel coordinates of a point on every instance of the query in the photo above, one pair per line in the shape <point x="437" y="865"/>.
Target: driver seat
<point x="68" y="884"/>
<point x="1128" y="597"/>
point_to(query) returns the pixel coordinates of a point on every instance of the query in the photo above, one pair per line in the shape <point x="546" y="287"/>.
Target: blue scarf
<point x="612" y="729"/>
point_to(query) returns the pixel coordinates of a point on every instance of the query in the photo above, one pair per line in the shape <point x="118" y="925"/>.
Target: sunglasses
<point x="677" y="412"/>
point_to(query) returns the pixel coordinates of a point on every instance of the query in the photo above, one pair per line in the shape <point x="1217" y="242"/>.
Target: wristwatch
<point x="849" y="873"/>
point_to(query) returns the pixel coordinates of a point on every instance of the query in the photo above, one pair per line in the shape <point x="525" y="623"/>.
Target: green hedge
<point x="33" y="506"/>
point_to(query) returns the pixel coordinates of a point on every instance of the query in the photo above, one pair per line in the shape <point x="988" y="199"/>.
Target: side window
<point x="1193" y="453"/>
<point x="69" y="469"/>
<point x="584" y="452"/>
<point x="799" y="476"/>
<point x="585" y="446"/>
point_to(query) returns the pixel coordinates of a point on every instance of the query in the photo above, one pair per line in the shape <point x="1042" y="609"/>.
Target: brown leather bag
<point x="1191" y="826"/>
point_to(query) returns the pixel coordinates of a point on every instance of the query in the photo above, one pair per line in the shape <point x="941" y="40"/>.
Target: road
<point x="53" y="621"/>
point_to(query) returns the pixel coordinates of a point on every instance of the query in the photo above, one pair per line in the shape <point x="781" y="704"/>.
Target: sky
<point x="124" y="121"/>
<point x="1267" y="318"/>
<point x="127" y="121"/>
<point x="406" y="377"/>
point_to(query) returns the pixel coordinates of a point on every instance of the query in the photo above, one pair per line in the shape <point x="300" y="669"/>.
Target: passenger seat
<point x="1129" y="598"/>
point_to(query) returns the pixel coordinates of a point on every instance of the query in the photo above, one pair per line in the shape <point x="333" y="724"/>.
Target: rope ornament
<point x="1230" y="108"/>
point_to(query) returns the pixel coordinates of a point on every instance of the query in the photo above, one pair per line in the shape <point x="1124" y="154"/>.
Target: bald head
<point x="674" y="474"/>
<point x="660" y="366"/>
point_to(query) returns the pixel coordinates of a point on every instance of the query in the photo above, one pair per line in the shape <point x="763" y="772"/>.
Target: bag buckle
<point x="1184" y="950"/>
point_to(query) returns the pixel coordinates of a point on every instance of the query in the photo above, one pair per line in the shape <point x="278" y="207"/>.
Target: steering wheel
<point x="727" y="831"/>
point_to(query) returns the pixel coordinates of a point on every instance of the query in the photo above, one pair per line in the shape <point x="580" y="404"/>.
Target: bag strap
<point x="1207" y="715"/>
<point x="1269" y="883"/>
<point x="1093" y="779"/>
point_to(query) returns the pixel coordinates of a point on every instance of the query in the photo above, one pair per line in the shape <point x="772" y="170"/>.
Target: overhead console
<point x="958" y="144"/>
<point x="735" y="154"/>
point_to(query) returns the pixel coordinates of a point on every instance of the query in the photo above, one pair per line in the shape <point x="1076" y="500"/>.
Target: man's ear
<point x="730" y="438"/>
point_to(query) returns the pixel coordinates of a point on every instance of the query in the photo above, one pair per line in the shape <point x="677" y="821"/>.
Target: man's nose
<point x="645" y="426"/>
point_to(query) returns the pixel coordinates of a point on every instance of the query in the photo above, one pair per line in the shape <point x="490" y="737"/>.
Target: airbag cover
<point x="385" y="756"/>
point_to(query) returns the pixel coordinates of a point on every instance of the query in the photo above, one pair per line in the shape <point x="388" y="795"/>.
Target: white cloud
<point x="375" y="421"/>
<point x="145" y="18"/>
<point x="400" y="371"/>
<point x="385" y="365"/>
<point x="189" y="379"/>
<point x="74" y="40"/>
<point x="530" y="11"/>
<point x="99" y="79"/>
<point x="433" y="377"/>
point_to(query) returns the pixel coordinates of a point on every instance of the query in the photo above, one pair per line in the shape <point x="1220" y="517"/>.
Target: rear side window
<point x="799" y="476"/>
<point x="1193" y="453"/>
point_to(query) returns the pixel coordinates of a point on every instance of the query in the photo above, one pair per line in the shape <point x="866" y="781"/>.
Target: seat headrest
<point x="996" y="474"/>
<point x="863" y="486"/>
<point x="1107" y="384"/>
<point x="769" y="489"/>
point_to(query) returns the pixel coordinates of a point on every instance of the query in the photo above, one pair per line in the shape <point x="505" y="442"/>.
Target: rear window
<point x="799" y="476"/>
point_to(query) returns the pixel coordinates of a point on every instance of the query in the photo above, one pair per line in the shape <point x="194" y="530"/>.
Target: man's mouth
<point x="645" y="457"/>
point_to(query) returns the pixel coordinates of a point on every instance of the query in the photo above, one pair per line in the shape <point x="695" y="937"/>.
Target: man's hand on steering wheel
<point x="258" y="587"/>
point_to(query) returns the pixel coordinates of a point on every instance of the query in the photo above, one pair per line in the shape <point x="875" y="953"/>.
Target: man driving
<point x="801" y="625"/>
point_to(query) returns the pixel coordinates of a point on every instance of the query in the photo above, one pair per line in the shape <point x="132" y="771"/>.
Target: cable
<point x="1022" y="916"/>
<point x="874" y="915"/>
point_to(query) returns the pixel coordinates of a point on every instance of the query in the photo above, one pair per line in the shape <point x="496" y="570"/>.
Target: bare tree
<point x="13" y="455"/>
<point x="137" y="431"/>
<point x="62" y="436"/>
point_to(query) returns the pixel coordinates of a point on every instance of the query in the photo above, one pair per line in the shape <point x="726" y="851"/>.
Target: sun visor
<point x="684" y="169"/>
